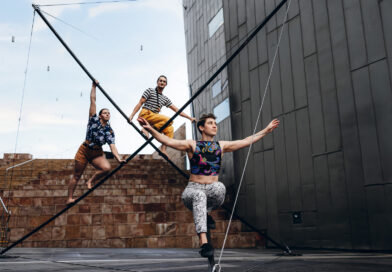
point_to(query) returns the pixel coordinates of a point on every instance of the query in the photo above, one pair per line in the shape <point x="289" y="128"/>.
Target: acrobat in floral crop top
<point x="206" y="159"/>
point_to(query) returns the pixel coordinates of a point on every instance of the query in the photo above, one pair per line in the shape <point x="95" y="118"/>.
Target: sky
<point x="125" y="46"/>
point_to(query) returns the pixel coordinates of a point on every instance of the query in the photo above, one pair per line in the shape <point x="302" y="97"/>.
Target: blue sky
<point x="55" y="108"/>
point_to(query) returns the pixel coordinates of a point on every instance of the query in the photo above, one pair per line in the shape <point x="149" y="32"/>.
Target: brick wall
<point x="140" y="206"/>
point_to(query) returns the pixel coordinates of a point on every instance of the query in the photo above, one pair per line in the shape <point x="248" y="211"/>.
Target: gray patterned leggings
<point x="200" y="198"/>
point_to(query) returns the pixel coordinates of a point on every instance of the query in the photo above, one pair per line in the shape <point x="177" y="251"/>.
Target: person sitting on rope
<point x="204" y="191"/>
<point x="152" y="101"/>
<point x="98" y="133"/>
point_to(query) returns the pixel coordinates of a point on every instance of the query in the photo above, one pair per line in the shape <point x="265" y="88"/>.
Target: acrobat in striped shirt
<point x="155" y="100"/>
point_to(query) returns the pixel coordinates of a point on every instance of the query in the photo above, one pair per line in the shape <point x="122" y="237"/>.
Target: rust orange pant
<point x="158" y="120"/>
<point x="86" y="155"/>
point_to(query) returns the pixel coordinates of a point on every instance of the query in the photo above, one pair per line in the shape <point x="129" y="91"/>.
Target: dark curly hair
<point x="203" y="118"/>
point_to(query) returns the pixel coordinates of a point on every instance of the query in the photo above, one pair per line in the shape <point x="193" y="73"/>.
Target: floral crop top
<point x="206" y="159"/>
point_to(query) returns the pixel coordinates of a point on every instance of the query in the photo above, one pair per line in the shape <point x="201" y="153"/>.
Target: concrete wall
<point x="331" y="88"/>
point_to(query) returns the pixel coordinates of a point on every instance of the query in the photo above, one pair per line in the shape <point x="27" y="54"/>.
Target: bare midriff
<point x="203" y="179"/>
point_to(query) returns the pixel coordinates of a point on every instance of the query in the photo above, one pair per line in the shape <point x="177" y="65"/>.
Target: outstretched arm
<point x="229" y="146"/>
<point x="182" y="145"/>
<point x="175" y="109"/>
<point x="114" y="150"/>
<point x="93" y="97"/>
<point x="137" y="108"/>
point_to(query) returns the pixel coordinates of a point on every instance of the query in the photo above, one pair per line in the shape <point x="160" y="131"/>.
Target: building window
<point x="222" y="110"/>
<point x="215" y="23"/>
<point x="216" y="88"/>
<point x="225" y="84"/>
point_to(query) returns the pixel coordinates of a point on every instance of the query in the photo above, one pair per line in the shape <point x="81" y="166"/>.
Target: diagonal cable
<point x="86" y="3"/>
<point x="254" y="131"/>
<point x="262" y="24"/>
<point x="38" y="10"/>
<point x="21" y="104"/>
<point x="68" y="24"/>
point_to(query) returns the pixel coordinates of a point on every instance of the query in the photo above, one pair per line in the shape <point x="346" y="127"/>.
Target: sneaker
<point x="206" y="250"/>
<point x="210" y="222"/>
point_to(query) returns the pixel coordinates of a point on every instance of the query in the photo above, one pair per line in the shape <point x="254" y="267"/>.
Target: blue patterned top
<point x="98" y="134"/>
<point x="206" y="159"/>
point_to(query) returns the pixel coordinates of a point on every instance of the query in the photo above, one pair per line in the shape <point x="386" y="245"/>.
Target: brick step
<point x="139" y="206"/>
<point x="65" y="163"/>
<point x="133" y="169"/>
<point x="8" y="163"/>
<point x="127" y="225"/>
<point x="239" y="240"/>
<point x="149" y="185"/>
<point x="144" y="227"/>
<point x="150" y="212"/>
<point x="110" y="183"/>
<point x="139" y="186"/>
<point x="126" y="187"/>
<point x="158" y="213"/>
<point x="61" y="179"/>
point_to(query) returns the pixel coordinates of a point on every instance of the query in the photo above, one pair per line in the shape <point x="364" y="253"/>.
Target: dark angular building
<point x="324" y="178"/>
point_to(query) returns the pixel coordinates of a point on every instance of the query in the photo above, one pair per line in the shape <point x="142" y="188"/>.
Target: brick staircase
<point x="140" y="207"/>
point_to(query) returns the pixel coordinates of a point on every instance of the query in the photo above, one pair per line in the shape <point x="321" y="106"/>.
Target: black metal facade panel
<point x="330" y="160"/>
<point x="386" y="10"/>
<point x="204" y="55"/>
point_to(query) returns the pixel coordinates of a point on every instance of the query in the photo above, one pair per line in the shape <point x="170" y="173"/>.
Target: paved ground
<point x="173" y="260"/>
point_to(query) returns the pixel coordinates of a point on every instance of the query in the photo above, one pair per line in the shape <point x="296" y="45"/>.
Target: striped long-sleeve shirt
<point x="155" y="100"/>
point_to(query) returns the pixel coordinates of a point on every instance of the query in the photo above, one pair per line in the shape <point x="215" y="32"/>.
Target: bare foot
<point x="70" y="201"/>
<point x="165" y="153"/>
<point x="145" y="132"/>
<point x="89" y="184"/>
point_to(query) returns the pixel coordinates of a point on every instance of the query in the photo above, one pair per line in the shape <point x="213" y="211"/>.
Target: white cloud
<point x="95" y="11"/>
<point x="171" y="6"/>
<point x="124" y="74"/>
<point x="9" y="120"/>
<point x="36" y="118"/>
<point x="161" y="5"/>
<point x="50" y="150"/>
<point x="8" y="30"/>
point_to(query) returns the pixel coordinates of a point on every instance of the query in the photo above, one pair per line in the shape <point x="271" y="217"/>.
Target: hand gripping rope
<point x="148" y="141"/>
<point x="37" y="9"/>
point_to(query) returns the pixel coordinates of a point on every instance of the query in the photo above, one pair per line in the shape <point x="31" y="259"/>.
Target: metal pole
<point x="37" y="9"/>
<point x="150" y="139"/>
<point x="6" y="174"/>
<point x="19" y="164"/>
<point x="2" y="203"/>
<point x="194" y="132"/>
<point x="226" y="63"/>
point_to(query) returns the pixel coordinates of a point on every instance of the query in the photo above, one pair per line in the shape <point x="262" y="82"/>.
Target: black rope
<point x="148" y="141"/>
<point x="38" y="10"/>
<point x="226" y="63"/>
<point x="68" y="24"/>
<point x="228" y="51"/>
<point x="21" y="108"/>
<point x="86" y="3"/>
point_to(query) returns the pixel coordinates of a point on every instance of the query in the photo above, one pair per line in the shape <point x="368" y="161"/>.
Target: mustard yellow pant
<point x="158" y="120"/>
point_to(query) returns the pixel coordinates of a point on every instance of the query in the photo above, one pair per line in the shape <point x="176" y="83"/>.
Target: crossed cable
<point x="149" y="140"/>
